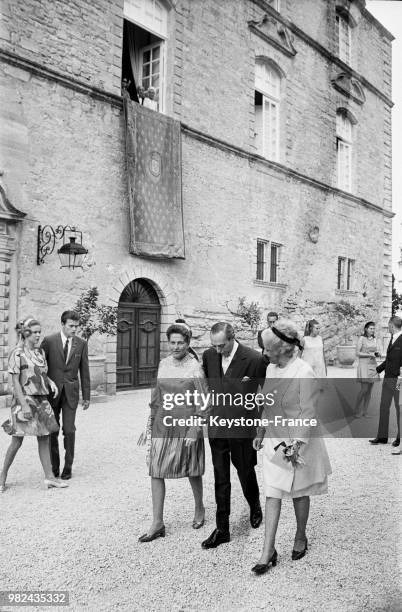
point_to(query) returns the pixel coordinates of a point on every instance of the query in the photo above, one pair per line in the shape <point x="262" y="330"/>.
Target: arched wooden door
<point x="138" y="336"/>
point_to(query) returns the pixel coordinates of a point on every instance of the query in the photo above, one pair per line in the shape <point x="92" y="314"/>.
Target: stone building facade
<point x="285" y="111"/>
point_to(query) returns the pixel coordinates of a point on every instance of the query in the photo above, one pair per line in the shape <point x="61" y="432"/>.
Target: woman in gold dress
<point x="176" y="452"/>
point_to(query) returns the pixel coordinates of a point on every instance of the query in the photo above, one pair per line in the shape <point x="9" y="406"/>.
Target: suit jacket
<point x="261" y="345"/>
<point x="393" y="360"/>
<point x="243" y="376"/>
<point x="259" y="339"/>
<point x="65" y="375"/>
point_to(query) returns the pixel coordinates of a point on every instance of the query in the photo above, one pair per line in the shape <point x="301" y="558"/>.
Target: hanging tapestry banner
<point x="153" y="157"/>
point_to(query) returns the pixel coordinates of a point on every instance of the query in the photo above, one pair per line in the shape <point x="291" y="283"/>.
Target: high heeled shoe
<point x="160" y="533"/>
<point x="299" y="554"/>
<point x="198" y="524"/>
<point x="262" y="568"/>
<point x="55" y="484"/>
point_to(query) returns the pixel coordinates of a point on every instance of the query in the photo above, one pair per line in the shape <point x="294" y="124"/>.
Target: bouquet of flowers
<point x="292" y="453"/>
<point x="145" y="439"/>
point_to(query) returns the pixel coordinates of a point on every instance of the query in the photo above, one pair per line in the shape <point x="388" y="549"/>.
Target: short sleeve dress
<point x="313" y="353"/>
<point x="170" y="457"/>
<point x="366" y="366"/>
<point x="31" y="366"/>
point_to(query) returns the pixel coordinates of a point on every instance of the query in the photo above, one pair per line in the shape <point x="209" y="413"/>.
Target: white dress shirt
<point x="63" y="341"/>
<point x="396" y="336"/>
<point x="227" y="360"/>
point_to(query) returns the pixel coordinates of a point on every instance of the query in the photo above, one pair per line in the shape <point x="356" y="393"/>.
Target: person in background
<point x="141" y="94"/>
<point x="367" y="349"/>
<point x="397" y="449"/>
<point x="272" y="317"/>
<point x="313" y="348"/>
<point x="31" y="413"/>
<point x="391" y="367"/>
<point x="150" y="99"/>
<point x="67" y="355"/>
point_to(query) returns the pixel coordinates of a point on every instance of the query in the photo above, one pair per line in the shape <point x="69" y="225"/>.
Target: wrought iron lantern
<point x="72" y="253"/>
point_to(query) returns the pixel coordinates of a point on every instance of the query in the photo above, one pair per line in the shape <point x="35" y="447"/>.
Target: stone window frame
<point x="145" y="14"/>
<point x="162" y="34"/>
<point x="344" y="25"/>
<point x="345" y="122"/>
<point x="346" y="273"/>
<point x="264" y="269"/>
<point x="271" y="104"/>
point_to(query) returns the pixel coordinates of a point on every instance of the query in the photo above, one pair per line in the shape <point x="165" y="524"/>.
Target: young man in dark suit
<point x="234" y="369"/>
<point x="390" y="389"/>
<point x="66" y="355"/>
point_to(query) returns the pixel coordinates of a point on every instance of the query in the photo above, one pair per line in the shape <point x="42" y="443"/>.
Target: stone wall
<point x="78" y="38"/>
<point x="62" y="154"/>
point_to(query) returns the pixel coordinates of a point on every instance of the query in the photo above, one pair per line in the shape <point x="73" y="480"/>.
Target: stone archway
<point x="138" y="335"/>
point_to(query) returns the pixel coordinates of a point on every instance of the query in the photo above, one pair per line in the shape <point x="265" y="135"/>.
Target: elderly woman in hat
<point x="31" y="413"/>
<point x="295" y="460"/>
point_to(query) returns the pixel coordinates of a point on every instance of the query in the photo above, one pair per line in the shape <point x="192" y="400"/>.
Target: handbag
<point x="8" y="427"/>
<point x="282" y="469"/>
<point x="46" y="416"/>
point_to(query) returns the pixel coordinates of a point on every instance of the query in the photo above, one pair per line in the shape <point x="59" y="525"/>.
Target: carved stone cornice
<point x="351" y="9"/>
<point x="306" y="38"/>
<point x="273" y="32"/>
<point x="258" y="160"/>
<point x="9" y="218"/>
<point x="349" y="86"/>
<point x="7" y="211"/>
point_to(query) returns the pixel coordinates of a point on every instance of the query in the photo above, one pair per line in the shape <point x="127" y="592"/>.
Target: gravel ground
<point x="84" y="539"/>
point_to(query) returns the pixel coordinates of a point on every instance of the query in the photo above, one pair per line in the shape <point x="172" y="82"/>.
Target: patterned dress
<point x="31" y="366"/>
<point x="169" y="456"/>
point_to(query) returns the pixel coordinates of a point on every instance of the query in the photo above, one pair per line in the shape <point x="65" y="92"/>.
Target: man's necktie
<point x="220" y="365"/>
<point x="65" y="350"/>
<point x="390" y="343"/>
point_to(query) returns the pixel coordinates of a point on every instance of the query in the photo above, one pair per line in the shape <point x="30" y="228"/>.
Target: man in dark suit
<point x="272" y="318"/>
<point x="234" y="369"/>
<point x="390" y="389"/>
<point x="66" y="355"/>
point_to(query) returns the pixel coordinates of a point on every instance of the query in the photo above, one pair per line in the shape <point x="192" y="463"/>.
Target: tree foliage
<point x="94" y="317"/>
<point x="348" y="314"/>
<point x="249" y="314"/>
<point x="396" y="299"/>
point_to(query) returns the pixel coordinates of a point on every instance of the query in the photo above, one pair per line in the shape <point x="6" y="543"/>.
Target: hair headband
<point x="24" y="324"/>
<point x="182" y="325"/>
<point x="282" y="336"/>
